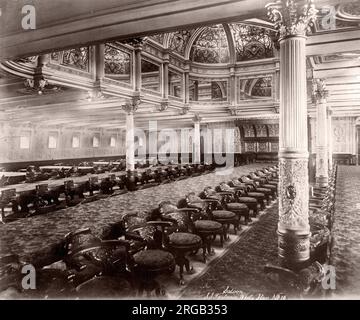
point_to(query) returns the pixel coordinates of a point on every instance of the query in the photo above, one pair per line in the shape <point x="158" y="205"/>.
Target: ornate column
<point x="165" y="83"/>
<point x="166" y="75"/>
<point x="99" y="72"/>
<point x="99" y="62"/>
<point x="357" y="128"/>
<point x="137" y="75"/>
<point x="196" y="90"/>
<point x="292" y="20"/>
<point x="330" y="138"/>
<point x="322" y="167"/>
<point x="232" y="86"/>
<point x="186" y="84"/>
<point x="196" y="156"/>
<point x="130" y="108"/>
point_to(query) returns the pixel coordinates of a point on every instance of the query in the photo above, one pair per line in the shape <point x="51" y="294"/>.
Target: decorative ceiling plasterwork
<point x="349" y="11"/>
<point x="159" y="38"/>
<point x="211" y="46"/>
<point x="252" y="42"/>
<point x="178" y="41"/>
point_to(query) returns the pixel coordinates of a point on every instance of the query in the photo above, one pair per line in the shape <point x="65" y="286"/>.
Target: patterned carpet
<point x="346" y="251"/>
<point x="31" y="237"/>
<point x="239" y="273"/>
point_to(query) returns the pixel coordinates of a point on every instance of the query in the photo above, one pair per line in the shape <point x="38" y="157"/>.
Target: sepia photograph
<point x="160" y="150"/>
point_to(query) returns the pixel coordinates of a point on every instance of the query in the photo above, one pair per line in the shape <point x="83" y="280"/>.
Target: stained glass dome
<point x="211" y="46"/>
<point x="252" y="42"/>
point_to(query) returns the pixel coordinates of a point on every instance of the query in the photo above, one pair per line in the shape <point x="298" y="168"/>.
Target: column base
<point x="322" y="181"/>
<point x="293" y="249"/>
<point x="131" y="180"/>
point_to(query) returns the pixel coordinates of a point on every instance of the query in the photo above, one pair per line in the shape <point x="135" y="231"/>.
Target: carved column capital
<point x="292" y="18"/>
<point x="184" y="110"/>
<point x="166" y="56"/>
<point x="164" y="105"/>
<point x="187" y="66"/>
<point x="95" y="94"/>
<point x="197" y="118"/>
<point x="131" y="105"/>
<point x="234" y="111"/>
<point x="319" y="90"/>
<point x="137" y="43"/>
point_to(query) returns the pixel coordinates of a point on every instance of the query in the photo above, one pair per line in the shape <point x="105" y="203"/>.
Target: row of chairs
<point x="322" y="216"/>
<point x="47" y="199"/>
<point x="34" y="173"/>
<point x="127" y="257"/>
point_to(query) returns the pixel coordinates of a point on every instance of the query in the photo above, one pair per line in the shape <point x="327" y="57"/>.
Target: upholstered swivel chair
<point x="115" y="277"/>
<point x="73" y="194"/>
<point x="155" y="260"/>
<point x="181" y="242"/>
<point x="235" y="183"/>
<point x="44" y="200"/>
<point x="208" y="206"/>
<point x="242" y="197"/>
<point x="226" y="201"/>
<point x="199" y="223"/>
<point x="258" y="180"/>
<point x="9" y="206"/>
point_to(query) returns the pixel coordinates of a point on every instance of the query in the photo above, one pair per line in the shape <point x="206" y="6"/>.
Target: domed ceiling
<point x="222" y="43"/>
